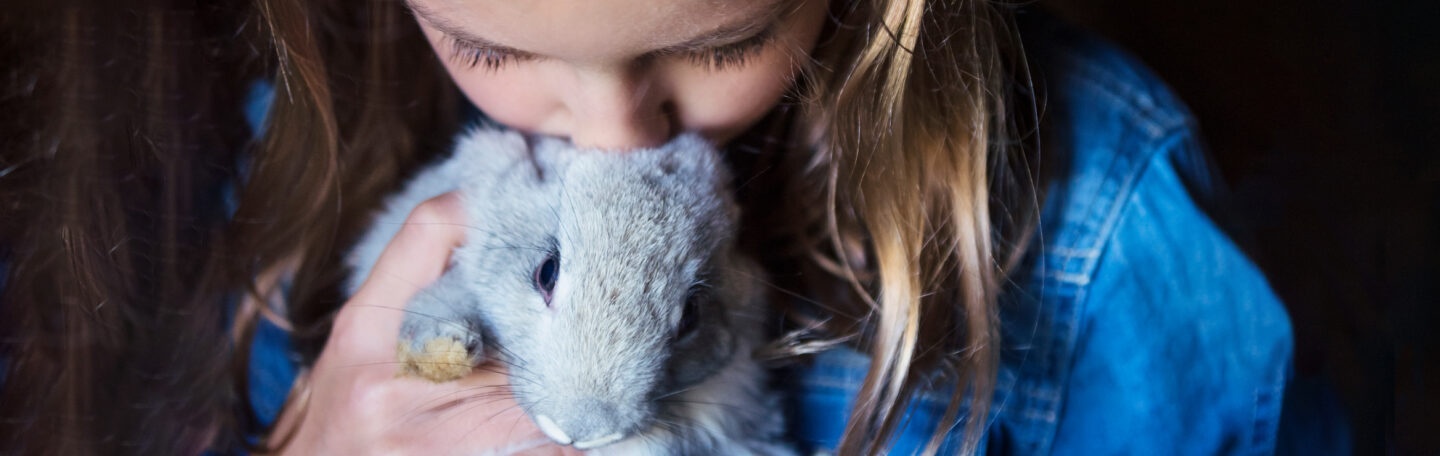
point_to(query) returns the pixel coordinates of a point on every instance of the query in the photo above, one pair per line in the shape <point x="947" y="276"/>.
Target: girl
<point x="951" y="285"/>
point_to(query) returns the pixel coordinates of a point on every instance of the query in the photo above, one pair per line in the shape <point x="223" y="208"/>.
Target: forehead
<point x="592" y="29"/>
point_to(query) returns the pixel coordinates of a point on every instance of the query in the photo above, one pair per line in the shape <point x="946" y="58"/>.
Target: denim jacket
<point x="1138" y="326"/>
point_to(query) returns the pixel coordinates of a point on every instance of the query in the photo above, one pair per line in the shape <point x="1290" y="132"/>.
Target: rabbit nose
<point x="591" y="424"/>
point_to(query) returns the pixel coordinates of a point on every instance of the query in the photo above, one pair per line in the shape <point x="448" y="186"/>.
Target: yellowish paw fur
<point x="443" y="359"/>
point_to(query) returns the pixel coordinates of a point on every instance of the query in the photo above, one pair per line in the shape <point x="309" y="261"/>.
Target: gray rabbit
<point x="609" y="284"/>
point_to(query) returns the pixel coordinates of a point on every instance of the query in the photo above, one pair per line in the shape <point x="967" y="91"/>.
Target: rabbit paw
<point x="437" y="351"/>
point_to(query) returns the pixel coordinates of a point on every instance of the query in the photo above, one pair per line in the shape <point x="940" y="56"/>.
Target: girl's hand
<point x="355" y="404"/>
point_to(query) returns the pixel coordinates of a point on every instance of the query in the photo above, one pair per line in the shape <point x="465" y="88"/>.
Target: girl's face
<point x="623" y="73"/>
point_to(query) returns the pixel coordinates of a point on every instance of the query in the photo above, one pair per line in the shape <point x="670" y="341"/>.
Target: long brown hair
<point x="138" y="210"/>
<point x="903" y="126"/>
<point x="120" y="126"/>
<point x="925" y="159"/>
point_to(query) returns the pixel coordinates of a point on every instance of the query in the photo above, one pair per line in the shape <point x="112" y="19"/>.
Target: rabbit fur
<point x="643" y="345"/>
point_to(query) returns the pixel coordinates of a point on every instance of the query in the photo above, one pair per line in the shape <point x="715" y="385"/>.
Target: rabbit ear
<point x="552" y="156"/>
<point x="690" y="154"/>
<point x="488" y="154"/>
<point x="687" y="161"/>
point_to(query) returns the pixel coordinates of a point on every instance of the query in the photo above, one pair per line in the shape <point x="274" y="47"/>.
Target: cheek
<point x="721" y="105"/>
<point x="509" y="96"/>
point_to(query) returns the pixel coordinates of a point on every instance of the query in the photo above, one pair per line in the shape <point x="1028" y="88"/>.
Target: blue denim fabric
<point x="1139" y="327"/>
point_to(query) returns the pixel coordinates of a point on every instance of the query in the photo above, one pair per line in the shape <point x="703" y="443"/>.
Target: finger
<point x="475" y="412"/>
<point x="419" y="252"/>
<point x="412" y="260"/>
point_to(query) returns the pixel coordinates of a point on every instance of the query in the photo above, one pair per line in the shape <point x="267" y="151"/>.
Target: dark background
<point x="1322" y="117"/>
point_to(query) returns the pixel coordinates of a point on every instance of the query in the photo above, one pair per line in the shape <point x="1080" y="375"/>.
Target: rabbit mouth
<point x="588" y="424"/>
<point x="554" y="432"/>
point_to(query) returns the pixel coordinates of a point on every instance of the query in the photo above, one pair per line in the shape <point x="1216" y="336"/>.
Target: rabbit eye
<point x="690" y="315"/>
<point x="545" y="276"/>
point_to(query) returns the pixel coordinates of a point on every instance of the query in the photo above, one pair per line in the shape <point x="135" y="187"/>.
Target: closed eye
<point x="716" y="58"/>
<point x="472" y="55"/>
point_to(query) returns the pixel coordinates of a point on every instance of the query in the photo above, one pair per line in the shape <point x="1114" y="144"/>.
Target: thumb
<point x="414" y="259"/>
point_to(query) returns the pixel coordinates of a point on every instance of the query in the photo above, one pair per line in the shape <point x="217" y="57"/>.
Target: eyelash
<point x="722" y="58"/>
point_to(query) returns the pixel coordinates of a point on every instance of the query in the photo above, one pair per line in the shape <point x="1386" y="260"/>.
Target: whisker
<point x="790" y="293"/>
<point x="449" y="400"/>
<point x="509" y="355"/>
<point x="716" y="404"/>
<point x="681" y="390"/>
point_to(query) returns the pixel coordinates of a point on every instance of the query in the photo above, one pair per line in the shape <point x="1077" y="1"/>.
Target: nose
<point x="621" y="110"/>
<point x="588" y="423"/>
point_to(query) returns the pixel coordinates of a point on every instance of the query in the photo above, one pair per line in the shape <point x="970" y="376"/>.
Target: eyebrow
<point x="726" y="34"/>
